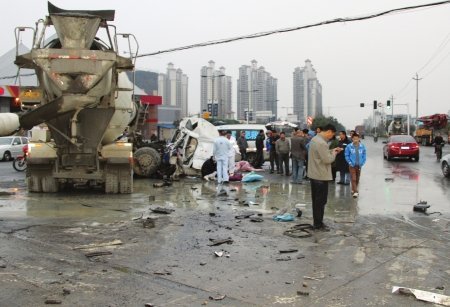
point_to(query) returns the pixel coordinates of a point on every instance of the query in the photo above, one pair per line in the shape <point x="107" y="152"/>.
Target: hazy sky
<point x="356" y="62"/>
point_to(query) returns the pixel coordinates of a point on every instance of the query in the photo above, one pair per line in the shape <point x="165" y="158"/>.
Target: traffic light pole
<point x="392" y="106"/>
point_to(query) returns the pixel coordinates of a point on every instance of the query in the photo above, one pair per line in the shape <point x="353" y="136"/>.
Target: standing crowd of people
<point x="315" y="158"/>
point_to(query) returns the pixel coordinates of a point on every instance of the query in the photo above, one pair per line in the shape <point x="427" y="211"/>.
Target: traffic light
<point x="388" y="104"/>
<point x="361" y="104"/>
<point x="375" y="104"/>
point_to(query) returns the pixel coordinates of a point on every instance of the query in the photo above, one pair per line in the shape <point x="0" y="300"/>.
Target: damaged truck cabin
<point x="86" y="103"/>
<point x="191" y="145"/>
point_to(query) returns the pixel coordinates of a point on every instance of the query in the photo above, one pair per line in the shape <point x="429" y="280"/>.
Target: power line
<point x="291" y="29"/>
<point x="438" y="50"/>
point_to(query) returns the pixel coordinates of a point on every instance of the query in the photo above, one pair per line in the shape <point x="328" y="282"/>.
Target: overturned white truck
<point x="87" y="103"/>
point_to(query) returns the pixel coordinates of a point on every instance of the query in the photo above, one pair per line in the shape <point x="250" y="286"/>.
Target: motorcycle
<point x="20" y="162"/>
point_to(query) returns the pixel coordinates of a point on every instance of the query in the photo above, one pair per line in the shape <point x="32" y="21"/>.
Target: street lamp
<point x="248" y="107"/>
<point x="212" y="94"/>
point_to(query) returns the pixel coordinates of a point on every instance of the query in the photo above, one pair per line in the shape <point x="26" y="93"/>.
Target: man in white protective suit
<point x="222" y="147"/>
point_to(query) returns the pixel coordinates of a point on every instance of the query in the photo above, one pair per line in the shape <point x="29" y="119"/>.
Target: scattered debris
<point x="222" y="193"/>
<point x="194" y="188"/>
<point x="311" y="278"/>
<point x="212" y="214"/>
<point x="300" y="256"/>
<point x="274" y="208"/>
<point x="149" y="305"/>
<point x="423" y="295"/>
<point x="216" y="242"/>
<point x="52" y="302"/>
<point x="243" y="216"/>
<point x="95" y="245"/>
<point x="287" y="258"/>
<point x="138" y="218"/>
<point x="391" y="179"/>
<point x="205" y="303"/>
<point x="66" y="291"/>
<point x="286" y="217"/>
<point x="286" y="251"/>
<point x="233" y="190"/>
<point x="299" y="231"/>
<point x="152" y="198"/>
<point x="419" y="207"/>
<point x="305" y="285"/>
<point x="222" y="253"/>
<point x="99" y="253"/>
<point x="256" y="220"/>
<point x="148" y="223"/>
<point x="299" y="212"/>
<point x="218" y="297"/>
<point x="163" y="272"/>
<point x="161" y="210"/>
<point x="440" y="288"/>
<point x="202" y="263"/>
<point x="252" y="203"/>
<point x="303" y="293"/>
<point x="162" y="184"/>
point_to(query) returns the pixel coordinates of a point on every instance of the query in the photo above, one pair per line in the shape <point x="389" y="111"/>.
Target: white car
<point x="11" y="147"/>
<point x="445" y="165"/>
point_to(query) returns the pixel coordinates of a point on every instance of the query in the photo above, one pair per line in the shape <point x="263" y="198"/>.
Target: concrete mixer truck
<point x="87" y="103"/>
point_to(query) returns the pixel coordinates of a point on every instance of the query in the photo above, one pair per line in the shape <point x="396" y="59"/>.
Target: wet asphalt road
<point x="376" y="242"/>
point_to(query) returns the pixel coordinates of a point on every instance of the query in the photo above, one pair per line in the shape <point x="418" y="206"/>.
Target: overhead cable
<point x="297" y="28"/>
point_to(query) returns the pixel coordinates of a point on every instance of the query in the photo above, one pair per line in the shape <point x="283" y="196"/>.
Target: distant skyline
<point x="356" y="62"/>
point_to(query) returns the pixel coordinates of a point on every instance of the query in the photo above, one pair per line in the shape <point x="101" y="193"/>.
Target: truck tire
<point x="125" y="180"/>
<point x="111" y="180"/>
<point x="49" y="184"/>
<point x="146" y="161"/>
<point x="33" y="182"/>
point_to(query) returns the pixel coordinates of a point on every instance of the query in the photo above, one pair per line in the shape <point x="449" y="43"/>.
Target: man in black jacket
<point x="259" y="143"/>
<point x="341" y="163"/>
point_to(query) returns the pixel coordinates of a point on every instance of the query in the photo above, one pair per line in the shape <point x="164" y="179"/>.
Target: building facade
<point x="257" y="94"/>
<point x="215" y="91"/>
<point x="173" y="87"/>
<point x="307" y="92"/>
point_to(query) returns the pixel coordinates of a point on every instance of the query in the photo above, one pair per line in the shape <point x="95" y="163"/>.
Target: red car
<point x="399" y="146"/>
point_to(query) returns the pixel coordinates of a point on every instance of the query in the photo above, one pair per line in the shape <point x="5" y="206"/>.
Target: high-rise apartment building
<point x="257" y="95"/>
<point x="307" y="92"/>
<point x="173" y="87"/>
<point x="215" y="91"/>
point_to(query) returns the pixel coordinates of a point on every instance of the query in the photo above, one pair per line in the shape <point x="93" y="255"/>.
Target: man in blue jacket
<point x="355" y="155"/>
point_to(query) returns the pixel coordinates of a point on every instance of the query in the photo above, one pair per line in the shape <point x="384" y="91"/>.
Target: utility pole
<point x="417" y="94"/>
<point x="392" y="106"/>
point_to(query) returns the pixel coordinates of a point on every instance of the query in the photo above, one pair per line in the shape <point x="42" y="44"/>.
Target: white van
<point x="251" y="131"/>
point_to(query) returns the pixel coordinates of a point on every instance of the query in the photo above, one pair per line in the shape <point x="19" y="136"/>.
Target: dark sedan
<point x="399" y="146"/>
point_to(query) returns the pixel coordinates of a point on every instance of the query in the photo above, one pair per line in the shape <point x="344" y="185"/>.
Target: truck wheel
<point x="33" y="181"/>
<point x="146" y="161"/>
<point x="49" y="184"/>
<point x="111" y="180"/>
<point x="125" y="180"/>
